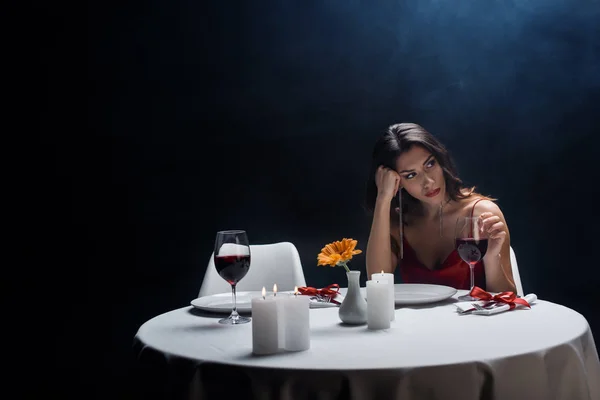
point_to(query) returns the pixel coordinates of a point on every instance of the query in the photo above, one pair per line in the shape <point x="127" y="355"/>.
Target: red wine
<point x="232" y="268"/>
<point x="470" y="250"/>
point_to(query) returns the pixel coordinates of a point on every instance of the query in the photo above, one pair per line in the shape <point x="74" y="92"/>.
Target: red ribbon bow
<point x="509" y="298"/>
<point x="327" y="291"/>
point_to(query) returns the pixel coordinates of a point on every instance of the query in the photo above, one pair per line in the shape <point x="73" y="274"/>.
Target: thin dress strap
<point x="473" y="210"/>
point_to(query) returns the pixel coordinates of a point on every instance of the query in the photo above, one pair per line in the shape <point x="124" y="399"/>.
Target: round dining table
<point x="430" y="351"/>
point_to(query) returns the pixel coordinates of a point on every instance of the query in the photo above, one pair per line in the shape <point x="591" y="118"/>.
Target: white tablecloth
<point x="430" y="352"/>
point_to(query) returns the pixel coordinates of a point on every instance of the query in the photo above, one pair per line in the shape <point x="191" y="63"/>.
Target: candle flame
<point x="264" y="293"/>
<point x="382" y="271"/>
<point x="295" y="290"/>
<point x="275" y="290"/>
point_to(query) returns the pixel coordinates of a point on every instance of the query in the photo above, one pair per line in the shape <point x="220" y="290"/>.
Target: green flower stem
<point x="344" y="264"/>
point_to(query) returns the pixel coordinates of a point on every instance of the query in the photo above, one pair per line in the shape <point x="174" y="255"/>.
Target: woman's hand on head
<point x="387" y="181"/>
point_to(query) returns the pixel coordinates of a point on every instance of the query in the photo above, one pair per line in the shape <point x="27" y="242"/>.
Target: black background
<point x="162" y="123"/>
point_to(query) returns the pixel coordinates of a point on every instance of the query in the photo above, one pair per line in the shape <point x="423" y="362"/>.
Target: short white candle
<point x="378" y="305"/>
<point x="385" y="276"/>
<point x="296" y="321"/>
<point x="265" y="325"/>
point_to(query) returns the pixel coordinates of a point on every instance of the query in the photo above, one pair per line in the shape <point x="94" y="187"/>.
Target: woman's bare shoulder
<point x="482" y="204"/>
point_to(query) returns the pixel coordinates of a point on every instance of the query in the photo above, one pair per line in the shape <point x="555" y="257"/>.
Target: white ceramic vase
<point x="353" y="310"/>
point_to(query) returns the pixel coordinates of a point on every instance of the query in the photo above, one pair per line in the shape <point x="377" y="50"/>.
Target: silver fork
<point x="485" y="306"/>
<point x="321" y="299"/>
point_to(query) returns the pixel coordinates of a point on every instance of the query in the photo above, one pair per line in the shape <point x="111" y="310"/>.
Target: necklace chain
<point x="441" y="219"/>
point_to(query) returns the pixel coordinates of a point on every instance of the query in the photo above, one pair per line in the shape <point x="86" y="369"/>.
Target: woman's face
<point x="422" y="176"/>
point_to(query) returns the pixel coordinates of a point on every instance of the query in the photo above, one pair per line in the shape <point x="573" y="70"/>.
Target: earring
<point x="401" y="227"/>
<point x="441" y="219"/>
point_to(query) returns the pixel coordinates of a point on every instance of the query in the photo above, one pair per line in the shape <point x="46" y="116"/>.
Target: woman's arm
<point x="379" y="248"/>
<point x="498" y="270"/>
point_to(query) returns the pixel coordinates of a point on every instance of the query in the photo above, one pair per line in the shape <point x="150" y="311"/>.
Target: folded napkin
<point x="492" y="307"/>
<point x="328" y="296"/>
<point x="494" y="304"/>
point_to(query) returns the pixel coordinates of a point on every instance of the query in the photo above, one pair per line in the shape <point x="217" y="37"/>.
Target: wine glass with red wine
<point x="232" y="261"/>
<point x="471" y="243"/>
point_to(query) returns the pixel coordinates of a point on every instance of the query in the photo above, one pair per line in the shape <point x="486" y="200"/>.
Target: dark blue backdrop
<point x="261" y="115"/>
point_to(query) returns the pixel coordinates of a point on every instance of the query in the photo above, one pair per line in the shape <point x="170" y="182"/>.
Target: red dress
<point x="453" y="272"/>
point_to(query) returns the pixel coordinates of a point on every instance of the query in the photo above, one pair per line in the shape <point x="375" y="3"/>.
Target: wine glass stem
<point x="472" y="275"/>
<point x="234" y="312"/>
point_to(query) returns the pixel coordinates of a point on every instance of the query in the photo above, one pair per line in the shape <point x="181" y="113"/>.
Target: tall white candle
<point x="378" y="305"/>
<point x="384" y="276"/>
<point x="279" y="299"/>
<point x="296" y="322"/>
<point x="265" y="325"/>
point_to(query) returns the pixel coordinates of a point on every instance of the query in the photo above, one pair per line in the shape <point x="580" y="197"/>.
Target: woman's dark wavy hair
<point x="398" y="139"/>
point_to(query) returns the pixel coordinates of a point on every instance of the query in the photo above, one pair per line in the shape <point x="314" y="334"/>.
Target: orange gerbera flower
<point x="338" y="253"/>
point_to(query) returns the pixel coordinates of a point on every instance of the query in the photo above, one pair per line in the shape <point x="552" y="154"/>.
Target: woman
<point x="408" y="158"/>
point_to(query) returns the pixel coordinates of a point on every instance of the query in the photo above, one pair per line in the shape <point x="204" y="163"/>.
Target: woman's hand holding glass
<point x="495" y="231"/>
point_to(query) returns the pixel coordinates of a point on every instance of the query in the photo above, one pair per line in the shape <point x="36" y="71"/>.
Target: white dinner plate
<point x="223" y="302"/>
<point x="421" y="293"/>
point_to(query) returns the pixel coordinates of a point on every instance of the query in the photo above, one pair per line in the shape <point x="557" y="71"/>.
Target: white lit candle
<point x="296" y="322"/>
<point x="280" y="317"/>
<point x="383" y="276"/>
<point x="378" y="304"/>
<point x="265" y="325"/>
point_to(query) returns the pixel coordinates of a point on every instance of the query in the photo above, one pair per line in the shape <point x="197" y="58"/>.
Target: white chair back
<point x="515" y="272"/>
<point x="269" y="264"/>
